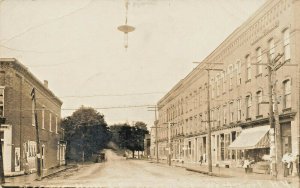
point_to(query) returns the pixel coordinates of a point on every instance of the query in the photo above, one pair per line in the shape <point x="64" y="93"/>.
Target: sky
<point x="76" y="46"/>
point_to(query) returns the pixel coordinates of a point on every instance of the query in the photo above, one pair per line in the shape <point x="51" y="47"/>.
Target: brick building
<point x="238" y="93"/>
<point x="18" y="134"/>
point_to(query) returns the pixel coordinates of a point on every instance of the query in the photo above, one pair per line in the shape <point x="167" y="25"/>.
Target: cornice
<point x="12" y="63"/>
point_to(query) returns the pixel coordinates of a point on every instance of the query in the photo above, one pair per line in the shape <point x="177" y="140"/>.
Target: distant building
<point x="147" y="142"/>
<point x="18" y="135"/>
<point x="238" y="94"/>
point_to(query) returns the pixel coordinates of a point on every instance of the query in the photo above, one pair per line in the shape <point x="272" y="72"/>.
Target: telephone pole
<point x="209" y="156"/>
<point x="156" y="126"/>
<point x="38" y="155"/>
<point x="276" y="152"/>
<point x="2" y="179"/>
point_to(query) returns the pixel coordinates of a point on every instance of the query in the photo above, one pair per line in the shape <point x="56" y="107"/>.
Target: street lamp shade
<point x="126" y="28"/>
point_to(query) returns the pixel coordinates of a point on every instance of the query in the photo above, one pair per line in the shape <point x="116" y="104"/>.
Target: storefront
<point x="253" y="143"/>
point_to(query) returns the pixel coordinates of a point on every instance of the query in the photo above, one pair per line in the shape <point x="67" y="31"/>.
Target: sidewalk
<point x="231" y="172"/>
<point x="228" y="172"/>
<point x="27" y="179"/>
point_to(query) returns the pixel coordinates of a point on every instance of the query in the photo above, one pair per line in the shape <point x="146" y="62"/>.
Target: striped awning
<point x="252" y="138"/>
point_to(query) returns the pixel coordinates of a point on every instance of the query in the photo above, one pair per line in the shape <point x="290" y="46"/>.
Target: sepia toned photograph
<point x="150" y="93"/>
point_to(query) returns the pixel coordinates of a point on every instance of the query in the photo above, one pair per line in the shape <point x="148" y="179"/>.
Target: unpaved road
<point x="119" y="172"/>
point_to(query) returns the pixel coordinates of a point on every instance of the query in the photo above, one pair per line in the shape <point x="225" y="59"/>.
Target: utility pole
<point x="209" y="156"/>
<point x="169" y="143"/>
<point x="156" y="141"/>
<point x="2" y="179"/>
<point x="209" y="125"/>
<point x="38" y="155"/>
<point x="156" y="132"/>
<point x="275" y="128"/>
<point x="271" y="120"/>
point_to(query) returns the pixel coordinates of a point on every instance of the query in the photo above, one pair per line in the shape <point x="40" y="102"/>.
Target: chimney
<point x="46" y="83"/>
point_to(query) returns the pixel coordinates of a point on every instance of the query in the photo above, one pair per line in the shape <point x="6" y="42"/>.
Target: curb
<point x="58" y="171"/>
<point x="207" y="173"/>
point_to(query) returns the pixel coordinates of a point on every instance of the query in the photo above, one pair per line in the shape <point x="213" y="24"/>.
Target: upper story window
<point x="43" y="117"/>
<point x="272" y="49"/>
<point x="287" y="99"/>
<point x="224" y="82"/>
<point x="218" y="85"/>
<point x="213" y="88"/>
<point x="248" y="68"/>
<point x="258" y="102"/>
<point x="286" y="44"/>
<point x="32" y="113"/>
<point x="248" y="106"/>
<point x="56" y="125"/>
<point x="259" y="61"/>
<point x="230" y="71"/>
<point x="225" y="114"/>
<point x="238" y="70"/>
<point x="50" y="122"/>
<point x="239" y="109"/>
<point x="231" y="111"/>
<point x="1" y="101"/>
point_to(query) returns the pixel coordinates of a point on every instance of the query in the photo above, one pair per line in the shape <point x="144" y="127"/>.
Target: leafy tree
<point x="86" y="132"/>
<point x="129" y="137"/>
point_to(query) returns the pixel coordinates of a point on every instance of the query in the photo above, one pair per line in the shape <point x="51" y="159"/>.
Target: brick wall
<point x="18" y="84"/>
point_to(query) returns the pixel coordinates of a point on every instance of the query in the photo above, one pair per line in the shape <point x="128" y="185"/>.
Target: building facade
<point x="238" y="93"/>
<point x="18" y="131"/>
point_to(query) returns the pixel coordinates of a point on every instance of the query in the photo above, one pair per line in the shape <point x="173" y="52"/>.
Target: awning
<point x="252" y="138"/>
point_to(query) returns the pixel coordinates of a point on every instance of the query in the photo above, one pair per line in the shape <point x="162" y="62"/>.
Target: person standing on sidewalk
<point x="201" y="160"/>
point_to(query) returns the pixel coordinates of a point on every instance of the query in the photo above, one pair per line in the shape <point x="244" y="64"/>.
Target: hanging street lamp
<point x="126" y="28"/>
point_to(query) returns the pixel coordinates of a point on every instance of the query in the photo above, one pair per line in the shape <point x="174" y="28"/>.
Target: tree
<point x="129" y="137"/>
<point x="86" y="132"/>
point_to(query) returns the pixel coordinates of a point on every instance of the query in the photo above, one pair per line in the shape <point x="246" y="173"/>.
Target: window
<point x="224" y="82"/>
<point x="1" y="101"/>
<point x="259" y="101"/>
<point x="56" y="130"/>
<point x="239" y="110"/>
<point x="224" y="114"/>
<point x="287" y="94"/>
<point x="258" y="61"/>
<point x="230" y="77"/>
<point x="248" y="106"/>
<point x="231" y="111"/>
<point x="32" y="113"/>
<point x="218" y="85"/>
<point x="272" y="49"/>
<point x="238" y="70"/>
<point x="50" y="122"/>
<point x="286" y="44"/>
<point x="43" y="117"/>
<point x="212" y="118"/>
<point x="212" y="83"/>
<point x="218" y="117"/>
<point x="248" y="70"/>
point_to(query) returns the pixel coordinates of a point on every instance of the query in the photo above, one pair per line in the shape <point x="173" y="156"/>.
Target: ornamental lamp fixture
<point x="126" y="28"/>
